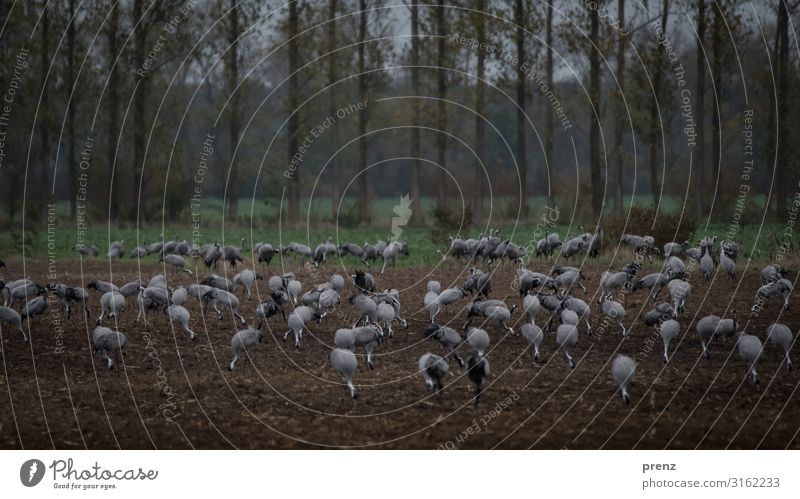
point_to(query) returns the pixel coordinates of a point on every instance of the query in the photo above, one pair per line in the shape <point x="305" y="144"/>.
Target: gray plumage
<point x="772" y="273"/>
<point x="533" y="334"/>
<point x="246" y="279"/>
<point x="34" y="307"/>
<point x="569" y="279"/>
<point x="345" y="363"/>
<point x="11" y="316"/>
<point x="668" y="330"/>
<point x="478" y="372"/>
<point x="680" y="292"/>
<point x="750" y="349"/>
<point x="434" y="370"/>
<point x="243" y="342"/>
<point x="659" y="313"/>
<point x="706" y="329"/>
<point x="366" y="307"/>
<point x="298" y="321"/>
<point x="654" y="282"/>
<point x="531" y="306"/>
<point x="767" y="291"/>
<point x="615" y="311"/>
<point x="178" y="314"/>
<point x="726" y="263"/>
<point x="105" y="341"/>
<point x="448" y="338"/>
<point x="623" y="368"/>
<point x="567" y="338"/>
<point x="176" y="262"/>
<point x="478" y="341"/>
<point x="226" y="299"/>
<point x="111" y="303"/>
<point x="781" y="336"/>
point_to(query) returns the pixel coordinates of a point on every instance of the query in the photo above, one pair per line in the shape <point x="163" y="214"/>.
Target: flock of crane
<point x="548" y="302"/>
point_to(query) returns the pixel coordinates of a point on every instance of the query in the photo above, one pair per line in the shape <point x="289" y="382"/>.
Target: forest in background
<point x="136" y="113"/>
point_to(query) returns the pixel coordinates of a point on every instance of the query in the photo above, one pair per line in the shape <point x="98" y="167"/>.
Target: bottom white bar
<point x="334" y="474"/>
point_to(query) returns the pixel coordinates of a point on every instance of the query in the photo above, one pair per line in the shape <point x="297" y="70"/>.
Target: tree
<point x="44" y="120"/>
<point x="234" y="32"/>
<point x="619" y="110"/>
<point x="479" y="21"/>
<point x="519" y="21"/>
<point x="294" y="120"/>
<point x="71" y="104"/>
<point x="654" y="122"/>
<point x="549" y="143"/>
<point x="700" y="160"/>
<point x="416" y="191"/>
<point x="594" y="130"/>
<point x="335" y="178"/>
<point x="782" y="157"/>
<point x="441" y="95"/>
<point x="363" y="185"/>
<point x="112" y="107"/>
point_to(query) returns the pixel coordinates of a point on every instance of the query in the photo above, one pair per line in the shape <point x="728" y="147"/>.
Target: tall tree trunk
<point x="71" y="159"/>
<point x="700" y="163"/>
<point x="519" y="20"/>
<point x="653" y="133"/>
<point x="294" y="120"/>
<point x="233" y="125"/>
<point x="44" y="128"/>
<point x="441" y="112"/>
<point x="548" y="110"/>
<point x="336" y="163"/>
<point x="416" y="191"/>
<point x="782" y="173"/>
<point x="480" y="109"/>
<point x="594" y="129"/>
<point x="717" y="31"/>
<point x="137" y="184"/>
<point x="619" y="156"/>
<point x="363" y="193"/>
<point x="113" y="110"/>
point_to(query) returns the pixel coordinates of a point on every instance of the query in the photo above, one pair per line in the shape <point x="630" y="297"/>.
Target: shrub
<point x="448" y="221"/>
<point x="639" y="220"/>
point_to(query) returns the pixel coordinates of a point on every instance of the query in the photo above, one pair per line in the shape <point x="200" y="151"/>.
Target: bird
<point x="750" y="351"/>
<point x="623" y="368"/>
<point x="178" y="314"/>
<point x="567" y="338"/>
<point x="668" y="330"/>
<point x="175" y="261"/>
<point x="246" y="279"/>
<point x="448" y="338"/>
<point x="478" y="372"/>
<point x="478" y="341"/>
<point x="726" y="263"/>
<point x="531" y="306"/>
<point x="105" y="341"/>
<point x="616" y="311"/>
<point x="345" y="363"/>
<point x="534" y="335"/>
<point x="242" y="342"/>
<point x="434" y="370"/>
<point x="35" y="307"/>
<point x="781" y="336"/>
<point x="706" y="329"/>
<point x="11" y="316"/>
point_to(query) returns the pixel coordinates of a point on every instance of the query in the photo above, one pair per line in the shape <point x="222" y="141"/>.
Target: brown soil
<point x="292" y="398"/>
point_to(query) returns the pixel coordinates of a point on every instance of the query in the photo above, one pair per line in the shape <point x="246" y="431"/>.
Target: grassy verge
<point x="423" y="242"/>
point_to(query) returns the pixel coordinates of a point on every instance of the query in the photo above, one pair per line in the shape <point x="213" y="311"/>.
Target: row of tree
<point x="147" y="82"/>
